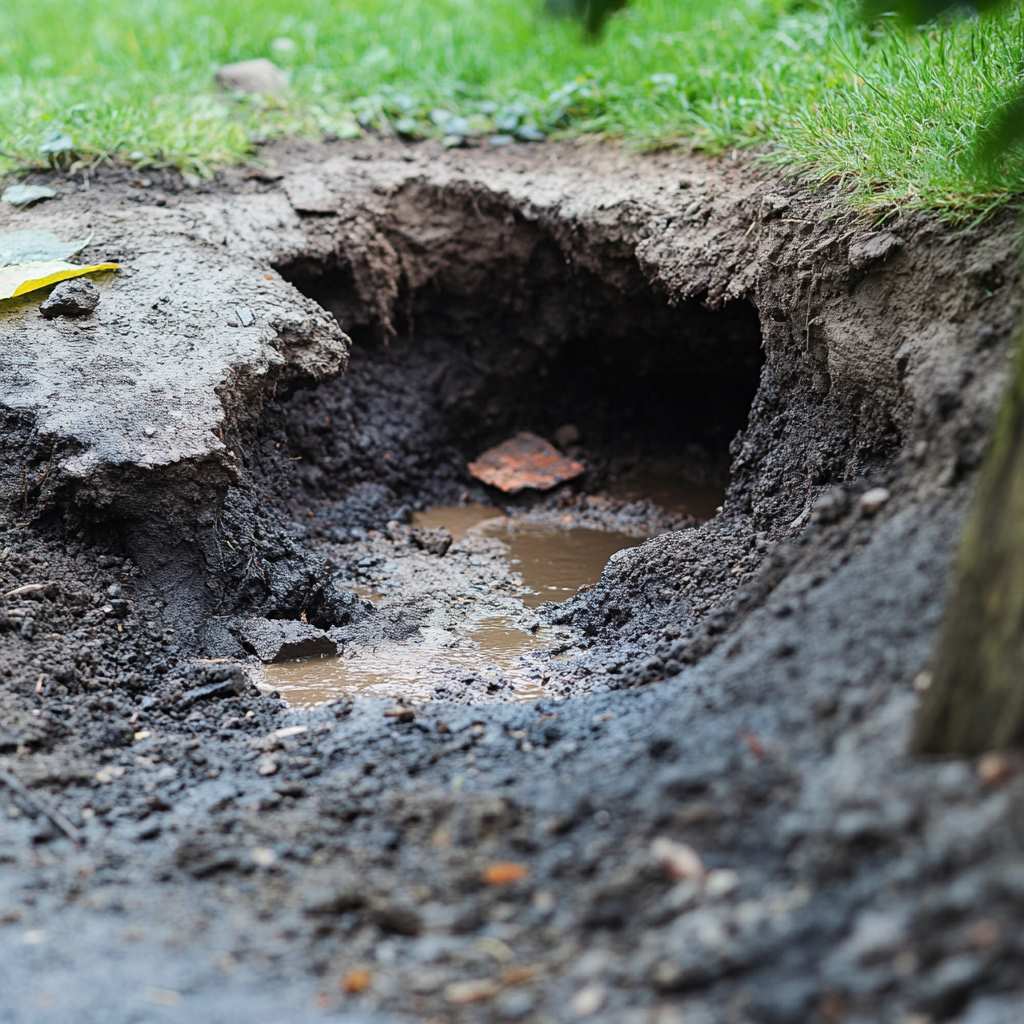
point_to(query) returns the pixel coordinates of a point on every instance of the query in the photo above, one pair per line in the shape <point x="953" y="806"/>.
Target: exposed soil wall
<point x="742" y="686"/>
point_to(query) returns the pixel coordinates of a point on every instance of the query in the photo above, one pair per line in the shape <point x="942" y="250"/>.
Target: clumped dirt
<point x="710" y="816"/>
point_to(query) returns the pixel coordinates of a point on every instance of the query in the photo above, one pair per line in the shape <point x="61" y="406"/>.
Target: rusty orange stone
<point x="524" y="462"/>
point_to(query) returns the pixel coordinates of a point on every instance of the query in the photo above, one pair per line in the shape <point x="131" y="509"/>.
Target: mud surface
<point x="192" y="482"/>
<point x="486" y="554"/>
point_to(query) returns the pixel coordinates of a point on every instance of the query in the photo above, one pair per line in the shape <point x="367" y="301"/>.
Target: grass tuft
<point x="889" y="114"/>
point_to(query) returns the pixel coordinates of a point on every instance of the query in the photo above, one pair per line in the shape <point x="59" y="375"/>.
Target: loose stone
<point x="71" y="298"/>
<point x="872" y="501"/>
<point x="253" y="76"/>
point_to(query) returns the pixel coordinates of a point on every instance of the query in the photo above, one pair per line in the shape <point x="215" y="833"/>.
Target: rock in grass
<point x="26" y="195"/>
<point x="76" y="297"/>
<point x="253" y="76"/>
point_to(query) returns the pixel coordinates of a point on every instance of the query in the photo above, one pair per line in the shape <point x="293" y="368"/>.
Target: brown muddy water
<point x="658" y="481"/>
<point x="395" y="669"/>
<point x="552" y="560"/>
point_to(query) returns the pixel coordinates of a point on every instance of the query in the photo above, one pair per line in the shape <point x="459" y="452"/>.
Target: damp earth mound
<point x="301" y="720"/>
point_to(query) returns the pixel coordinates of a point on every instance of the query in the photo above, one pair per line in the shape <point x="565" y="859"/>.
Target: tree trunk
<point x="976" y="700"/>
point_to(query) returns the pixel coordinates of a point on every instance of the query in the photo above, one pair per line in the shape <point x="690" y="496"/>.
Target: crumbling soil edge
<point x="872" y="339"/>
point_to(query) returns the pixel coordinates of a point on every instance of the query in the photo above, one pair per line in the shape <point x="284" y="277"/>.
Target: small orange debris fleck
<point x="755" y="746"/>
<point x="522" y="462"/>
<point x="984" y="934"/>
<point x="357" y="980"/>
<point x="505" y="873"/>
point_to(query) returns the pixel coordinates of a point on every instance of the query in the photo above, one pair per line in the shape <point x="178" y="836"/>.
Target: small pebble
<point x="259" y="76"/>
<point x="995" y="768"/>
<point x="830" y="506"/>
<point x="461" y="993"/>
<point x="77" y="297"/>
<point x="872" y="501"/>
<point x="677" y="860"/>
<point x="588" y="1000"/>
<point x="722" y="882"/>
<point x="263" y="856"/>
<point x="567" y="434"/>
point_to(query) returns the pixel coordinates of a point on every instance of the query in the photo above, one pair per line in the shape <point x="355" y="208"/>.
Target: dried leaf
<point x="35" y="246"/>
<point x="23" y="278"/>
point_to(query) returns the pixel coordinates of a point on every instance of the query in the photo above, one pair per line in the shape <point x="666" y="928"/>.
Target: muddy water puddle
<point x="659" y="482"/>
<point x="413" y="669"/>
<point x="550" y="560"/>
<point x="555" y="562"/>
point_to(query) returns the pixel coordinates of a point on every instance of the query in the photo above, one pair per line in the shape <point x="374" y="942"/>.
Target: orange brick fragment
<point x="523" y="462"/>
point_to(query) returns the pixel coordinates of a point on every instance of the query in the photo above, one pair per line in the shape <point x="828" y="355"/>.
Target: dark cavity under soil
<point x="648" y="398"/>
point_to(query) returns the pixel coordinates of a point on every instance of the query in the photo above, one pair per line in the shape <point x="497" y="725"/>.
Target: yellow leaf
<point x="29" y="277"/>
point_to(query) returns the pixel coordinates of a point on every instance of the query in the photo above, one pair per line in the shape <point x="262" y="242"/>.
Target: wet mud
<point x="548" y="561"/>
<point x="631" y="750"/>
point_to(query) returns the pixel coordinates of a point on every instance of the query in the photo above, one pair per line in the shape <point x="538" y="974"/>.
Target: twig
<point x="25" y="589"/>
<point x="33" y="805"/>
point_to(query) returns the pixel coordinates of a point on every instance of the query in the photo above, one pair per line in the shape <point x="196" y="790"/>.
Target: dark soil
<point x="178" y="846"/>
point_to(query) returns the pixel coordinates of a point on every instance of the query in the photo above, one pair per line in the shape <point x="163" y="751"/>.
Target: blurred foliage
<point x="1003" y="133"/>
<point x="592" y="13"/>
<point x="917" y="12"/>
<point x="889" y="115"/>
<point x="1004" y="129"/>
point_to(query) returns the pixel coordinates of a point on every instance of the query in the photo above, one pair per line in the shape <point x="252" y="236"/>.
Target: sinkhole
<point x="490" y="342"/>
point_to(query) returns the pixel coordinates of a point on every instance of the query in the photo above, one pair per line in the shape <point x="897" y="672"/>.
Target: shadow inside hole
<point x="526" y="342"/>
<point x="504" y="336"/>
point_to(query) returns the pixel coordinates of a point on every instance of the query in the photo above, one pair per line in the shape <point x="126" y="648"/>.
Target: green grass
<point x="890" y="114"/>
